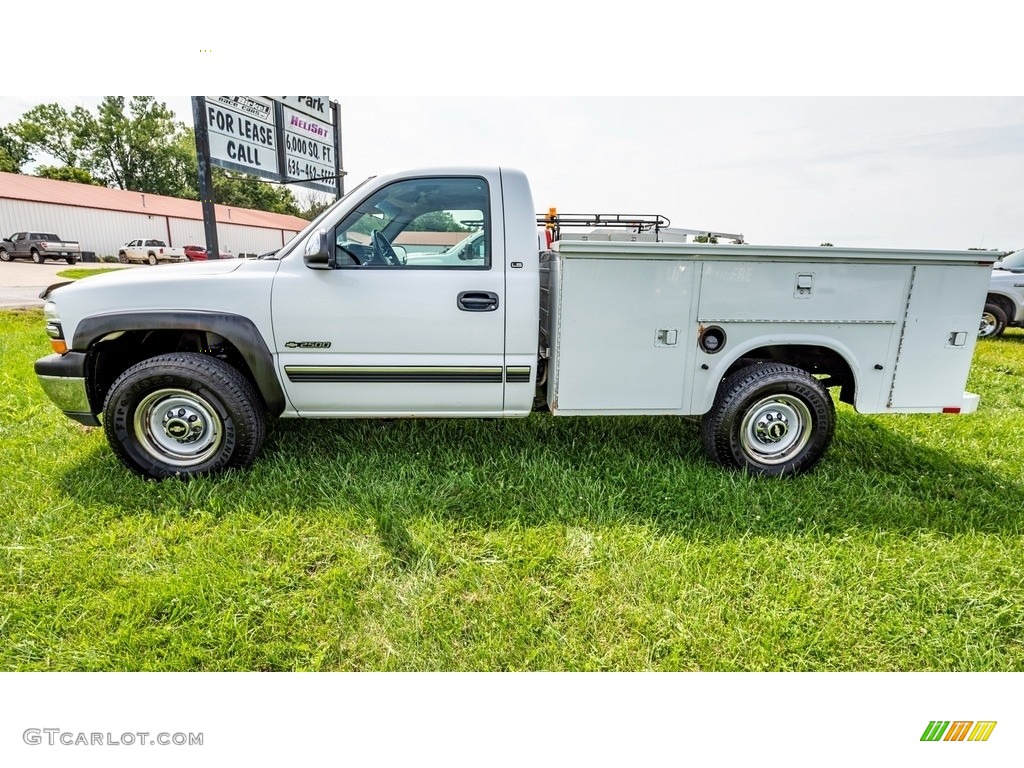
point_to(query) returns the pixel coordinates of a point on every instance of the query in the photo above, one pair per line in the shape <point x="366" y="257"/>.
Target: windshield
<point x="286" y="248"/>
<point x="1014" y="262"/>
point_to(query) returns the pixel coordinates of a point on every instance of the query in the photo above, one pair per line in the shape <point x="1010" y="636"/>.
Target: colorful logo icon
<point x="958" y="730"/>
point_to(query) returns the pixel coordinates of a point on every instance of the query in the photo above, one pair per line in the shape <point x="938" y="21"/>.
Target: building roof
<point x="17" y="186"/>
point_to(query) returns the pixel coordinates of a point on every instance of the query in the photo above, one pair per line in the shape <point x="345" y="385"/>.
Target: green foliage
<point x="51" y="129"/>
<point x="313" y="207"/>
<point x="13" y="151"/>
<point x="705" y="239"/>
<point x="245" y="191"/>
<point x="436" y="221"/>
<point x="131" y="143"/>
<point x="79" y="273"/>
<point x="67" y="173"/>
<point x="137" y="145"/>
<point x="533" y="544"/>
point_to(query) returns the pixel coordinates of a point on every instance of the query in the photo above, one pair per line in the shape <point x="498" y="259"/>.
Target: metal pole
<point x="339" y="175"/>
<point x="205" y="176"/>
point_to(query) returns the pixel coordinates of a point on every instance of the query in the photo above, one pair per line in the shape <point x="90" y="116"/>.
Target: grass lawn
<point x="78" y="273"/>
<point x="538" y="544"/>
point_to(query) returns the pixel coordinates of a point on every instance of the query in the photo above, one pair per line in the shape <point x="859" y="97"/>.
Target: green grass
<point x="538" y="544"/>
<point x="79" y="273"/>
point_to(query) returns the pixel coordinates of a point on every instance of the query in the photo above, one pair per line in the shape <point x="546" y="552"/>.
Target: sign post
<point x="205" y="177"/>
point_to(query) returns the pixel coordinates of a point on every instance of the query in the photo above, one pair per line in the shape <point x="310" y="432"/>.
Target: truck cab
<point x="452" y="333"/>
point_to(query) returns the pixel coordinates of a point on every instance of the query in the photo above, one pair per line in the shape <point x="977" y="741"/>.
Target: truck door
<point x="411" y="319"/>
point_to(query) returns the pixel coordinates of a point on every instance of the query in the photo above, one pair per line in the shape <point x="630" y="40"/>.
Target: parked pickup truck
<point x="1004" y="305"/>
<point x="38" y="246"/>
<point x="149" y="251"/>
<point x="183" y="369"/>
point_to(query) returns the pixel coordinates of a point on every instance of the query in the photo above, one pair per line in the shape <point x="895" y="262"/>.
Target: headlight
<point x="53" y="328"/>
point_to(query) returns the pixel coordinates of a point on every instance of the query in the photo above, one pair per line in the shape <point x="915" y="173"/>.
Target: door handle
<point x="477" y="301"/>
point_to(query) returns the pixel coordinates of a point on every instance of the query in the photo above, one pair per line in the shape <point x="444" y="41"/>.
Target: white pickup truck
<point x="182" y="370"/>
<point x="1004" y="305"/>
<point x="149" y="251"/>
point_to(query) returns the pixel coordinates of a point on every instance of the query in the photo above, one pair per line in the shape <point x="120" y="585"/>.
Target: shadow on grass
<point x="645" y="471"/>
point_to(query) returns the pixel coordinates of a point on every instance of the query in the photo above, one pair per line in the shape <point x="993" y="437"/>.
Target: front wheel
<point x="769" y="419"/>
<point x="993" y="322"/>
<point x="183" y="414"/>
<point x="4" y="255"/>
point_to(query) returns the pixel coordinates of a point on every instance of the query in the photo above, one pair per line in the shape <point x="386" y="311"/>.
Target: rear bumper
<point x="62" y="378"/>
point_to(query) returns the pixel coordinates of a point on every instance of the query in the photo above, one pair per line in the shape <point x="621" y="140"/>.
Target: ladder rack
<point x="636" y="222"/>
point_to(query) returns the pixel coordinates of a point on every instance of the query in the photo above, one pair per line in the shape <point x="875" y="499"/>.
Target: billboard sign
<point x="243" y="134"/>
<point x="290" y="139"/>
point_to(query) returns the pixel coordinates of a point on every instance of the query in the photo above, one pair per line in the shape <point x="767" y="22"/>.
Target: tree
<point x="13" y="152"/>
<point x="51" y="129"/>
<point x="139" y="147"/>
<point x="436" y="221"/>
<point x="313" y="204"/>
<point x="705" y="239"/>
<point x="245" y="191"/>
<point x="67" y="173"/>
<point x="132" y="143"/>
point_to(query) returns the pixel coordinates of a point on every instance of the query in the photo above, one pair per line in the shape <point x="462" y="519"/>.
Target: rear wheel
<point x="183" y="414"/>
<point x="769" y="419"/>
<point x="993" y="322"/>
<point x="152" y="259"/>
<point x="36" y="257"/>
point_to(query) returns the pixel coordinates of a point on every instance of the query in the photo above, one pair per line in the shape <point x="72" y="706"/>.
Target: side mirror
<point x="317" y="255"/>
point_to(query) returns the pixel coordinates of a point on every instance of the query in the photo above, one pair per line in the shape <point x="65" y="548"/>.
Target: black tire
<point x="769" y="419"/>
<point x="122" y="257"/>
<point x="70" y="259"/>
<point x="183" y="414"/>
<point x="36" y="258"/>
<point x="4" y="255"/>
<point x="152" y="259"/>
<point x="993" y="322"/>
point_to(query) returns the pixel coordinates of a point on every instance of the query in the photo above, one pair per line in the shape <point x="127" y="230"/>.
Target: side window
<point x="419" y="223"/>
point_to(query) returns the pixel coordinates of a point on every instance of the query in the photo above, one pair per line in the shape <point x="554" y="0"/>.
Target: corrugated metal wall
<point x="103" y="232"/>
<point x="232" y="237"/>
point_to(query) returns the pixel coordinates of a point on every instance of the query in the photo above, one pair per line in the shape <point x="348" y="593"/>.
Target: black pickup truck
<point x="39" y="246"/>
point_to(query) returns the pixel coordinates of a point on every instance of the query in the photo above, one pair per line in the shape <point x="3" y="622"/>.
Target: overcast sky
<point x="640" y="112"/>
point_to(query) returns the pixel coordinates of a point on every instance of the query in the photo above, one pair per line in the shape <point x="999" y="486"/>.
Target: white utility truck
<point x="182" y="369"/>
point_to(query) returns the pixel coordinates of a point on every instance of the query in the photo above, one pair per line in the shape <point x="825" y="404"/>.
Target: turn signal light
<point x="59" y="346"/>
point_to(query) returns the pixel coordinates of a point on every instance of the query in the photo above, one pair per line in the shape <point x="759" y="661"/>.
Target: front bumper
<point x="62" y="378"/>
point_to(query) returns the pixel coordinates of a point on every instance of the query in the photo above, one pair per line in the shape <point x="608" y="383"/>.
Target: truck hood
<point x="223" y="286"/>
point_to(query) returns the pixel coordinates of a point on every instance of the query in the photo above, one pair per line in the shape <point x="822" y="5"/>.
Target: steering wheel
<point x="383" y="251"/>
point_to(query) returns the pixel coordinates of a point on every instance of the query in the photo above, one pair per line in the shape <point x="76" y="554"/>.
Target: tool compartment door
<point x="623" y="343"/>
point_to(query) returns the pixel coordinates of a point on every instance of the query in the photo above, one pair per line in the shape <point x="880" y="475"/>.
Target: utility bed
<point x="626" y="323"/>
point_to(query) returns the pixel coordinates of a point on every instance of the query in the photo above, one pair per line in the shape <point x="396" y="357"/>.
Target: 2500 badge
<point x="307" y="344"/>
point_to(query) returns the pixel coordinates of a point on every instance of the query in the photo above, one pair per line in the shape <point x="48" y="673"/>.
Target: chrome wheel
<point x="178" y="427"/>
<point x="775" y="428"/>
